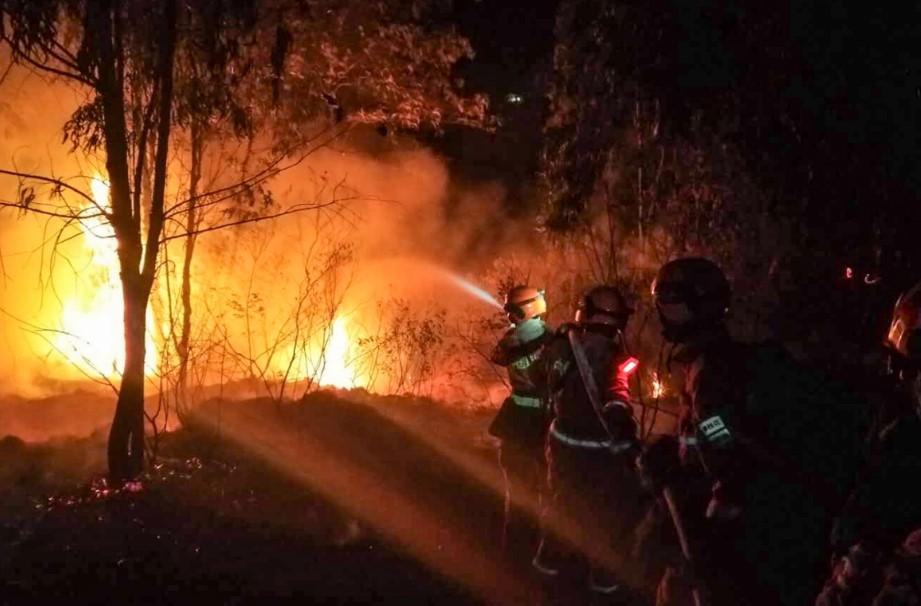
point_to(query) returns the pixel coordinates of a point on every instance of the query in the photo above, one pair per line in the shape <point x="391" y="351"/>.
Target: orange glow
<point x="658" y="387"/>
<point x="92" y="334"/>
<point x="328" y="362"/>
<point x="336" y="370"/>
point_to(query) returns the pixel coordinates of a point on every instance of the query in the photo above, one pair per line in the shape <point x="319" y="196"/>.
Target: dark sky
<point x="513" y="40"/>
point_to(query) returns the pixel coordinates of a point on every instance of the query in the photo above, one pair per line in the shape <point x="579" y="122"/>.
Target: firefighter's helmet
<point x="603" y="305"/>
<point x="691" y="294"/>
<point x="904" y="336"/>
<point x="525" y="302"/>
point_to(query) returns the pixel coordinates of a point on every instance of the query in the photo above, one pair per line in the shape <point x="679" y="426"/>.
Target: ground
<point x="351" y="499"/>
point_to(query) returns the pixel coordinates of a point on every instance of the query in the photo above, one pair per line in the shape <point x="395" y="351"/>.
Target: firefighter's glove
<point x="618" y="417"/>
<point x="658" y="463"/>
<point x="722" y="506"/>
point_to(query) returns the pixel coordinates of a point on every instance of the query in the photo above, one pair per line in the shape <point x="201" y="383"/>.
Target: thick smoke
<point x="402" y="223"/>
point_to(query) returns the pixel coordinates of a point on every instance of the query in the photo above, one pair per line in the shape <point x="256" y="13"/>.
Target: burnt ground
<point x="325" y="501"/>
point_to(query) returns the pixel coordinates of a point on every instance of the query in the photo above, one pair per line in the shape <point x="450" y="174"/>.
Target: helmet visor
<point x="513" y="310"/>
<point x="519" y="309"/>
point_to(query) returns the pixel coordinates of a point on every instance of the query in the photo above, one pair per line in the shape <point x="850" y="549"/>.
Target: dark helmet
<point x="691" y="294"/>
<point x="904" y="336"/>
<point x="603" y="306"/>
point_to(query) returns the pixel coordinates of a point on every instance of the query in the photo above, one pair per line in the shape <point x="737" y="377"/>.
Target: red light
<point x="629" y="365"/>
<point x="848" y="273"/>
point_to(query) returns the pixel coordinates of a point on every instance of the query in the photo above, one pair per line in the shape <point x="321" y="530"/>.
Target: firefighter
<point x="869" y="544"/>
<point x="591" y="444"/>
<point x="521" y="423"/>
<point x="755" y="532"/>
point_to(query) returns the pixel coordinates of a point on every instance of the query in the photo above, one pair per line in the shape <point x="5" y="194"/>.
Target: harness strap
<point x="611" y="445"/>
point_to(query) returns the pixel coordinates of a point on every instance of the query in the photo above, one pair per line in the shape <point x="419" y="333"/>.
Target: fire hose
<point x="678" y="523"/>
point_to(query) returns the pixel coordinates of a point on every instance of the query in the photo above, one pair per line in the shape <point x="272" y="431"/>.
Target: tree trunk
<point x="137" y="265"/>
<point x="126" y="438"/>
<point x="197" y="137"/>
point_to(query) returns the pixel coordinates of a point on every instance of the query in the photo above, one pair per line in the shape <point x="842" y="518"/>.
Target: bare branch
<point x="59" y="183"/>
<point x="270" y="170"/>
<point x="6" y="72"/>
<point x="20" y="55"/>
<point x="298" y="208"/>
<point x="43" y="332"/>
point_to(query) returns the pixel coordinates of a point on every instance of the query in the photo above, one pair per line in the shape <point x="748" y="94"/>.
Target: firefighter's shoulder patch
<point x="714" y="429"/>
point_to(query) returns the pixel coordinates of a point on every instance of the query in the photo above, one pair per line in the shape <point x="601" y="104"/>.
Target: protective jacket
<point x="575" y="420"/>
<point x="882" y="508"/>
<point x="765" y="519"/>
<point x="523" y="417"/>
<point x="590" y="473"/>
<point x="714" y="396"/>
<point x="519" y="350"/>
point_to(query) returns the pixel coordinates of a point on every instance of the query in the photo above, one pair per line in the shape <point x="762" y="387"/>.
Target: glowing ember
<point x="658" y="387"/>
<point x="335" y="370"/>
<point x="92" y="334"/>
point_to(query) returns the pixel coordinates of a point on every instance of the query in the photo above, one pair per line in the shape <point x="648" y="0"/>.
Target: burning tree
<point x="213" y="70"/>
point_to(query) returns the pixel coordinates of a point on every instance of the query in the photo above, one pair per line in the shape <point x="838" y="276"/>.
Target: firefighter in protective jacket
<point x="873" y="559"/>
<point x="756" y="525"/>
<point x="591" y="443"/>
<point x="521" y="423"/>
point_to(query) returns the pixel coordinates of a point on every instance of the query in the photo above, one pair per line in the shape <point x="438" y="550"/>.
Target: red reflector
<point x="629" y="365"/>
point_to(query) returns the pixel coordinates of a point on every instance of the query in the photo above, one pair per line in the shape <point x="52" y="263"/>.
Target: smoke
<point x="33" y="278"/>
<point x="402" y="222"/>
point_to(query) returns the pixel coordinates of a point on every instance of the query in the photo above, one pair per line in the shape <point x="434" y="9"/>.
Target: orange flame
<point x="92" y="335"/>
<point x="658" y="387"/>
<point x="328" y="362"/>
<point x="336" y="370"/>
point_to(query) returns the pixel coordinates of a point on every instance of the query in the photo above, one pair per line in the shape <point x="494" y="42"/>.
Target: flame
<point x="336" y="371"/>
<point x="92" y="334"/>
<point x="658" y="386"/>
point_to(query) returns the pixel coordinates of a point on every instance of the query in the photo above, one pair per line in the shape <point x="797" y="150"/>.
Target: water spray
<point x="457" y="280"/>
<point x="472" y="289"/>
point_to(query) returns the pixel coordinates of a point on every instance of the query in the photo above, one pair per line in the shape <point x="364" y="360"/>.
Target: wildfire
<point x="336" y="371"/>
<point x="92" y="335"/>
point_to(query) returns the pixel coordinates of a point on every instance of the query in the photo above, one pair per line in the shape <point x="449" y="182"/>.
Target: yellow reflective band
<point x="576" y="442"/>
<point x="614" y="447"/>
<point x="526" y="401"/>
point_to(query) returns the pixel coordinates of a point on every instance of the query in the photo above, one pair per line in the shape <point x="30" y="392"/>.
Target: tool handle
<point x="678" y="523"/>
